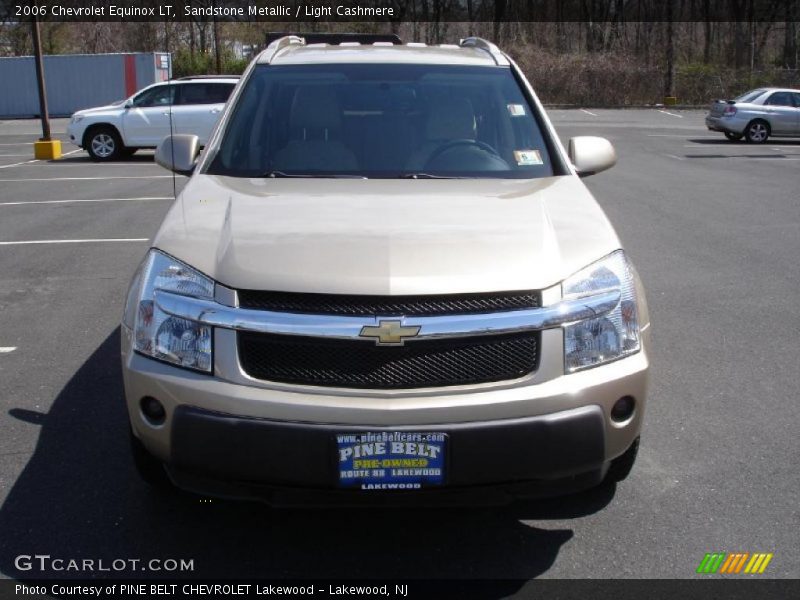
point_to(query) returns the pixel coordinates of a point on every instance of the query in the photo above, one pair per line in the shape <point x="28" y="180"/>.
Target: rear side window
<point x="218" y="93"/>
<point x="383" y="121"/>
<point x="749" y="96"/>
<point x="780" y="99"/>
<point x="204" y="93"/>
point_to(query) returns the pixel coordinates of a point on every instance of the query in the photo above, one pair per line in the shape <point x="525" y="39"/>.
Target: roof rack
<point x="335" y="38"/>
<point x="482" y="44"/>
<point x="189" y="77"/>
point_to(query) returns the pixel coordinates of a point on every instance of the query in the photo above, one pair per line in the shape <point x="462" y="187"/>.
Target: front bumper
<point x="551" y="432"/>
<point x="256" y="458"/>
<point x="247" y="449"/>
<point x="75" y="133"/>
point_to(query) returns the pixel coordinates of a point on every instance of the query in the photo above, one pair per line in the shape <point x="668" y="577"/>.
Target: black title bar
<point x="371" y="11"/>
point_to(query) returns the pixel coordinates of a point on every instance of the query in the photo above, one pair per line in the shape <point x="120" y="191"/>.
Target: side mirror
<point x="128" y="103"/>
<point x="178" y="153"/>
<point x="590" y="155"/>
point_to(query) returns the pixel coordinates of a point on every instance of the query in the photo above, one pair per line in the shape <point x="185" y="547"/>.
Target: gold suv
<point x="385" y="280"/>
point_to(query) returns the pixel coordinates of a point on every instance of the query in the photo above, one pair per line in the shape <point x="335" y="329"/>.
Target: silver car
<point x="757" y="115"/>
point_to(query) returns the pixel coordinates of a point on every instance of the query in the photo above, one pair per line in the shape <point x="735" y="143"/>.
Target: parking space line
<point x="588" y="112"/>
<point x="684" y="135"/>
<point x="96" y="240"/>
<point x="24" y="162"/>
<point x="85" y="178"/>
<point x="776" y="158"/>
<point x="140" y="199"/>
<point x="727" y="145"/>
<point x="94" y="165"/>
<point x="32" y="135"/>
<point x="670" y="114"/>
<point x="675" y="157"/>
<point x="7" y="349"/>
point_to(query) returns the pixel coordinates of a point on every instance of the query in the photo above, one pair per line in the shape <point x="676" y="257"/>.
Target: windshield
<point x="382" y="121"/>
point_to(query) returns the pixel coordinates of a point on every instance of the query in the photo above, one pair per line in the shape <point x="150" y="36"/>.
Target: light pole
<point x="669" y="75"/>
<point x="46" y="147"/>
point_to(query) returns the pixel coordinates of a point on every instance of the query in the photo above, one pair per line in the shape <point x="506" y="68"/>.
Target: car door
<point x="198" y="107"/>
<point x="796" y="98"/>
<point x="781" y="113"/>
<point x="147" y="121"/>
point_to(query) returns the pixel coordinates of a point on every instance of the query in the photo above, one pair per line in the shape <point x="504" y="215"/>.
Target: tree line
<point x="572" y="49"/>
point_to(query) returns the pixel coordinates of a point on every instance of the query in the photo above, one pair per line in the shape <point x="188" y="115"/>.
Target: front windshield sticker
<point x="528" y="157"/>
<point x="517" y="110"/>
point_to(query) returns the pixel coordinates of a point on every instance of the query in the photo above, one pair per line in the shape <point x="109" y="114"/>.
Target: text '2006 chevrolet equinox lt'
<point x="385" y="280"/>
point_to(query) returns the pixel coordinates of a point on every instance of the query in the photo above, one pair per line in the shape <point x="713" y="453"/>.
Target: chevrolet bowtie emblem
<point x="389" y="332"/>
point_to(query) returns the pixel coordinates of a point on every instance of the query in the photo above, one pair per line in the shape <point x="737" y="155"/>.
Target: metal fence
<point x="77" y="81"/>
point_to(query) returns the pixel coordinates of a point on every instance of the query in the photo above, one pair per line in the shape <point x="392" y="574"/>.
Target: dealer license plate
<point x="396" y="460"/>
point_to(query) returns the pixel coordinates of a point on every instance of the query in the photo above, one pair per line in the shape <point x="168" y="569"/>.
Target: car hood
<point x="87" y="112"/>
<point x="386" y="237"/>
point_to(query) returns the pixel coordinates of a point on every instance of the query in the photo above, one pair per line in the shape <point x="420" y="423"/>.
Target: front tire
<point x="757" y="132"/>
<point x="734" y="137"/>
<point x="104" y="144"/>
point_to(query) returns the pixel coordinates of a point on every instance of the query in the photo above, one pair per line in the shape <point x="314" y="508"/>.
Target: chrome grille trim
<point x="345" y="327"/>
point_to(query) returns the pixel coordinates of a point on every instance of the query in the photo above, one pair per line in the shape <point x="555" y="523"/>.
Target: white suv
<point x="189" y="105"/>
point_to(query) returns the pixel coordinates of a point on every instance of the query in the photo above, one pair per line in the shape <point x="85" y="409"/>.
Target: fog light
<point x="153" y="410"/>
<point x="623" y="409"/>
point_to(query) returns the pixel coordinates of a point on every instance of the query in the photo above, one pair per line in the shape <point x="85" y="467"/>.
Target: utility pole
<point x="46" y="148"/>
<point x="669" y="76"/>
<point x="37" y="52"/>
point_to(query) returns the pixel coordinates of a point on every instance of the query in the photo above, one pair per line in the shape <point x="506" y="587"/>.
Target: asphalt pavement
<point x="714" y="230"/>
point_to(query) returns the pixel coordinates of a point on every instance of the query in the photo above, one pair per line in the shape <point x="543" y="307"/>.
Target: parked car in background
<point x="190" y="105"/>
<point x="757" y="115"/>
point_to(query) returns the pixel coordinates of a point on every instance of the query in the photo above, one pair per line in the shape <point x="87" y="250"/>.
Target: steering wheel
<point x="447" y="146"/>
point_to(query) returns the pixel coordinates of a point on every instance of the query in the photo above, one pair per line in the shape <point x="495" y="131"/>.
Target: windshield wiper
<point x="428" y="176"/>
<point x="312" y="175"/>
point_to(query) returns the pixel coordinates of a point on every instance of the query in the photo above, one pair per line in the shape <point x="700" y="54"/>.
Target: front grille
<point x="362" y="364"/>
<point x="343" y="304"/>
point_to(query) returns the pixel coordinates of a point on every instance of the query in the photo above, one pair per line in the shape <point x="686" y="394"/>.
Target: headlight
<point x="614" y="335"/>
<point x="76" y="118"/>
<point x="157" y="334"/>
